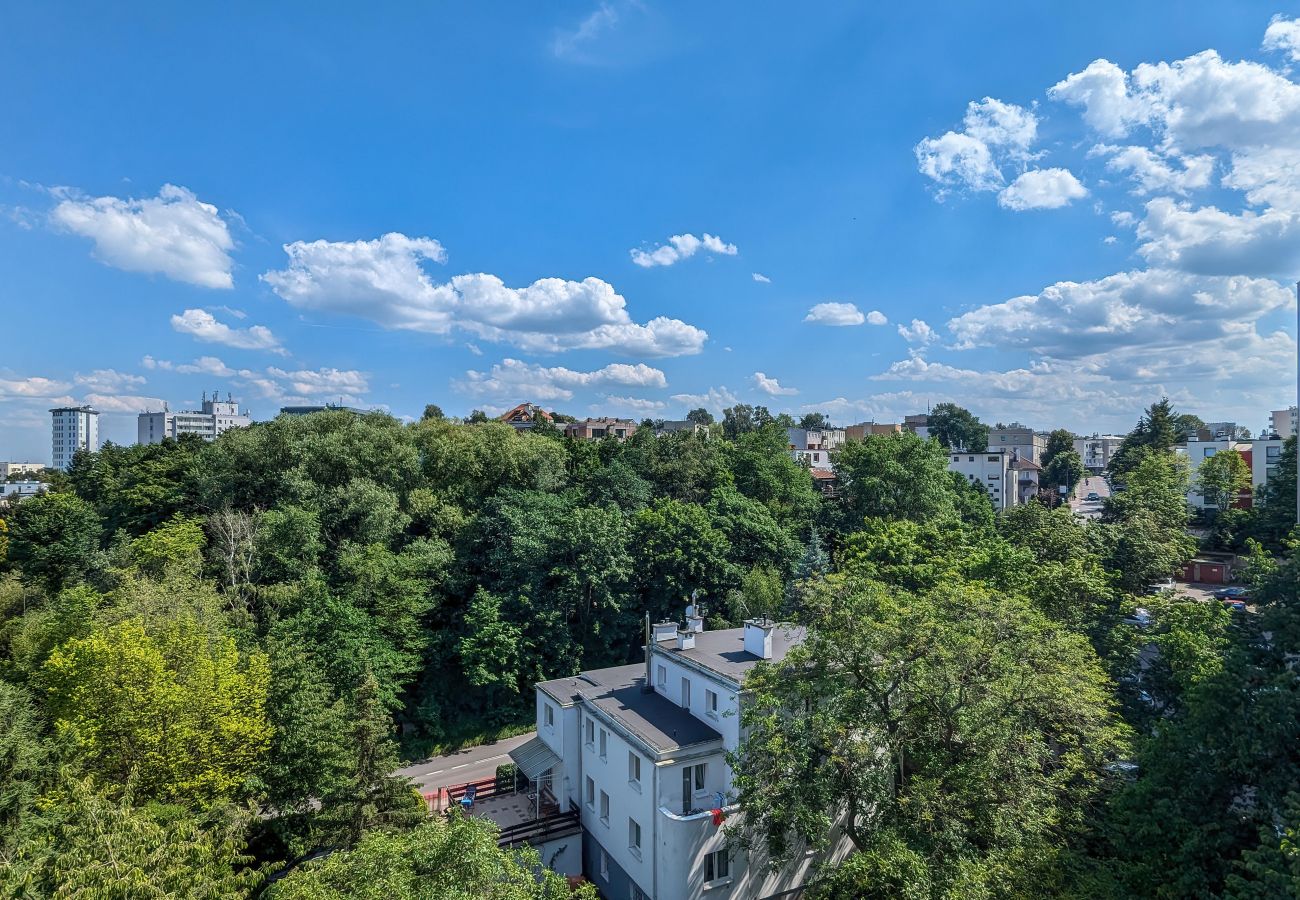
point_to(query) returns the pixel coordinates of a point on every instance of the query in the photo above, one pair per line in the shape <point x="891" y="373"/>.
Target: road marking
<point x="461" y="766"/>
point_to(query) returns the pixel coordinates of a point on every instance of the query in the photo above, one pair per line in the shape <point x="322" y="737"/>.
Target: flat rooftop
<point x="618" y="692"/>
<point x="723" y="651"/>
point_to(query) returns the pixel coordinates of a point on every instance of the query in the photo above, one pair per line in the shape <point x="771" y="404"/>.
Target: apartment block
<point x="1027" y="443"/>
<point x="1285" y="422"/>
<point x="213" y="419"/>
<point x="1262" y="456"/>
<point x="1096" y="451"/>
<point x="992" y="469"/>
<point x="596" y="429"/>
<point x="72" y="428"/>
<point x="18" y="468"/>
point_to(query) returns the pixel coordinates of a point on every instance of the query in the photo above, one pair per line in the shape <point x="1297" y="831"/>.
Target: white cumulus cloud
<point x="1283" y="35"/>
<point x="919" y="332"/>
<point x="838" y="314"/>
<point x="1042" y="189"/>
<point x="994" y="133"/>
<point x="512" y="377"/>
<point x="174" y="234"/>
<point x="680" y="247"/>
<point x="771" y="386"/>
<point x="108" y="380"/>
<point x="202" y="325"/>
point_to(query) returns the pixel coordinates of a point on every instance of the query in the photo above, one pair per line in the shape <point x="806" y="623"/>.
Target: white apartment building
<point x="1097" y="450"/>
<point x="1026" y="442"/>
<point x="641" y="750"/>
<point x="17" y="468"/>
<point x="209" y="423"/>
<point x="73" y="428"/>
<point x="1261" y="455"/>
<point x="991" y="468"/>
<point x="812" y="446"/>
<point x="1285" y="422"/>
<point x="16" y="490"/>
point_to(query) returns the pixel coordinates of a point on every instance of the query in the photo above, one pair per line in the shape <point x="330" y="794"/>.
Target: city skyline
<point x="393" y="217"/>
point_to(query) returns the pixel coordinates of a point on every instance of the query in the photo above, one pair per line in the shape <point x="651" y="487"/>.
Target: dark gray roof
<point x="723" y="651"/>
<point x="617" y="692"/>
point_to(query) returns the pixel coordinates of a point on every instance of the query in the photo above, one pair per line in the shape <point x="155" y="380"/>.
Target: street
<point x="472" y="764"/>
<point x="1089" y="509"/>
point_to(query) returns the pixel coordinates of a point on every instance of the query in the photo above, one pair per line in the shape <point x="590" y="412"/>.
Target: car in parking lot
<point x="1235" y="605"/>
<point x="1236" y="592"/>
<point x="1159" y="586"/>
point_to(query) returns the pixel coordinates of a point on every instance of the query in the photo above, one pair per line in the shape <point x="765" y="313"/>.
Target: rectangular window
<point x="604" y="865"/>
<point x="591" y="793"/>
<point x="633" y="835"/>
<point x="633" y="768"/>
<point x="686" y="693"/>
<point x="591" y="732"/>
<point x="604" y="743"/>
<point x="710" y="703"/>
<point x="661" y="677"/>
<point x="717" y="866"/>
<point x="994" y="458"/>
<point x="604" y="807"/>
<point x="548" y="714"/>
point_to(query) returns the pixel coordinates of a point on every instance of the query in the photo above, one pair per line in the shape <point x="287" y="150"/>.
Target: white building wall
<point x="72" y="429"/>
<point x="989" y="469"/>
<point x="1286" y="421"/>
<point x="627" y="800"/>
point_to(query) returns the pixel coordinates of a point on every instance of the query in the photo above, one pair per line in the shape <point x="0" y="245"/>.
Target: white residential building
<point x="1026" y="442"/>
<point x="1097" y="450"/>
<point x="641" y="750"/>
<point x="209" y="423"/>
<point x="73" y="428"/>
<point x="17" y="490"/>
<point x="992" y="469"/>
<point x="1262" y="455"/>
<point x="812" y="446"/>
<point x="17" y="468"/>
<point x="1285" y="422"/>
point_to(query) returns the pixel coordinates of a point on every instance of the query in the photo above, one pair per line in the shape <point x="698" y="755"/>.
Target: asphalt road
<point x="472" y="764"/>
<point x="1089" y="509"/>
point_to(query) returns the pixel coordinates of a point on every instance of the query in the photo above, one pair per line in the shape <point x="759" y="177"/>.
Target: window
<point x="686" y="693"/>
<point x="604" y="865"/>
<point x="1272" y="452"/>
<point x="591" y="732"/>
<point x="548" y="715"/>
<point x="710" y="703"/>
<point x="717" y="866"/>
<point x="970" y="459"/>
<point x="591" y="793"/>
<point x="1209" y="451"/>
<point x="692" y="779"/>
<point x="604" y="807"/>
<point x="633" y="768"/>
<point x="604" y="743"/>
<point x="661" y="677"/>
<point x="633" y="835"/>
<point x="994" y="458"/>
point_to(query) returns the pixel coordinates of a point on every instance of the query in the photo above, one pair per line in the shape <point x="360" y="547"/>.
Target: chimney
<point x="664" y="631"/>
<point x="649" y="685"/>
<point x="758" y="637"/>
<point x="686" y="640"/>
<point x="694" y="616"/>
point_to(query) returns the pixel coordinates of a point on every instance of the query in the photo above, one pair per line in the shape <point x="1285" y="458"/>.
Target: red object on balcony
<point x="718" y="816"/>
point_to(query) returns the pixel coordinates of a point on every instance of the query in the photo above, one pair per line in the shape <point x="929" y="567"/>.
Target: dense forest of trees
<point x="212" y="656"/>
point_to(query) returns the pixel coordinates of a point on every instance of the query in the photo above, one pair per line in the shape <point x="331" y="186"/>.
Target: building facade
<point x="18" y="468"/>
<point x="1027" y="443"/>
<point x="211" y="421"/>
<point x="992" y="469"/>
<point x="918" y="424"/>
<point x="1262" y="456"/>
<point x="73" y="428"/>
<point x="641" y="750"/>
<point x="596" y="429"/>
<point x="1285" y="422"/>
<point x="1097" y="450"/>
<point x="11" y="491"/>
<point x="860" y="431"/>
<point x="524" y="416"/>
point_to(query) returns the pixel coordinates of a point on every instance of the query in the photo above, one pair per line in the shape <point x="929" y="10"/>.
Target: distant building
<point x="1026" y="442"/>
<point x="16" y="468"/>
<point x="992" y="469"/>
<point x="1218" y="431"/>
<point x="1026" y="474"/>
<point x="812" y="446"/>
<point x="595" y="429"/>
<point x="73" y="428"/>
<point x="328" y="407"/>
<point x="860" y="431"/>
<point x="524" y="416"/>
<point x="1262" y="456"/>
<point x="1097" y="450"/>
<point x="215" y="418"/>
<point x="12" y="491"/>
<point x="1285" y="422"/>
<point x="918" y="424"/>
<point x="676" y="426"/>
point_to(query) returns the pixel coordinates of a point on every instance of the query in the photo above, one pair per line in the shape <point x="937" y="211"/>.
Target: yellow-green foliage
<point x="179" y="704"/>
<point x="175" y="546"/>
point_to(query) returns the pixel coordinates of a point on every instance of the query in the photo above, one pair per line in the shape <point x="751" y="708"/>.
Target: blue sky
<point x="1046" y="214"/>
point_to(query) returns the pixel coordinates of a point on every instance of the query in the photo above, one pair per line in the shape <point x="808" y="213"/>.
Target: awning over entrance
<point x="534" y="758"/>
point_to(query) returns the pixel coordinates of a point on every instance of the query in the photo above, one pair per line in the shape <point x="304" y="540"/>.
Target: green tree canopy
<point x="1222" y="478"/>
<point x="958" y="428"/>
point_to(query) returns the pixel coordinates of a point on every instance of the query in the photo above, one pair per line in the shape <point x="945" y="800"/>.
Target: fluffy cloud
<point x="1269" y="176"/>
<point x="636" y="404"/>
<point x="760" y="278"/>
<point x="108" y="380"/>
<point x="511" y="378"/>
<point x="919" y="332"/>
<point x="1102" y="89"/>
<point x="122" y="403"/>
<point x="1283" y="35"/>
<point x="384" y="281"/>
<point x="771" y="386"/>
<point x="838" y="314"/>
<point x="204" y="365"/>
<point x="876" y="317"/>
<point x="679" y="247"/>
<point x="1152" y="173"/>
<point x="714" y="399"/>
<point x="202" y="325"/>
<point x="34" y="387"/>
<point x="993" y="132"/>
<point x="1042" y="189"/>
<point x="174" y="234"/>
<point x="1209" y="241"/>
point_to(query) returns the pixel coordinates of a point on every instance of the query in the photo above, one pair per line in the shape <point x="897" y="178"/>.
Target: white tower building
<point x="73" y="428"/>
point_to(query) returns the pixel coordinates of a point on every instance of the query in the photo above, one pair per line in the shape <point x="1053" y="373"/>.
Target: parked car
<point x="1159" y="586"/>
<point x="1235" y="605"/>
<point x="1141" y="618"/>
<point x="1236" y="592"/>
<point x="1092" y="496"/>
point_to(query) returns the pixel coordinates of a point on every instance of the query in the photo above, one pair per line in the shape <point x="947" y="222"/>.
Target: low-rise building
<point x="813" y="447"/>
<point x="1027" y="443"/>
<point x="678" y="426"/>
<point x="1096" y="451"/>
<point x="18" y="468"/>
<point x="991" y="469"/>
<point x="641" y="752"/>
<point x="11" y="491"/>
<point x="524" y="416"/>
<point x="860" y="431"/>
<point x="596" y="429"/>
<point x="1026" y="475"/>
<point x="918" y="424"/>
<point x="213" y="419"/>
<point x="1262" y="456"/>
